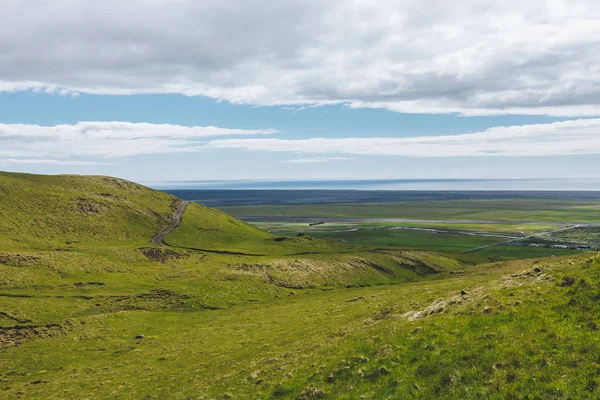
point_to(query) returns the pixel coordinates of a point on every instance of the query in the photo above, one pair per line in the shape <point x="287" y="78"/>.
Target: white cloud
<point x="108" y="139"/>
<point x="575" y="137"/>
<point x="314" y="160"/>
<point x="42" y="161"/>
<point x="474" y="57"/>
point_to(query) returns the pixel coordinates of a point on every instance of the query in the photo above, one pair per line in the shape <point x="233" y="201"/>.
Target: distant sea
<point x="584" y="184"/>
<point x="231" y="193"/>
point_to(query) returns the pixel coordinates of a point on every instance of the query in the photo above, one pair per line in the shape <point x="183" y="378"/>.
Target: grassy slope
<point x="205" y="228"/>
<point x="233" y="326"/>
<point x="517" y="333"/>
<point x="44" y="211"/>
<point x="481" y="210"/>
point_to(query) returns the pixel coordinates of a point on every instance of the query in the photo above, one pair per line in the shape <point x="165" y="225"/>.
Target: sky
<point x="268" y="90"/>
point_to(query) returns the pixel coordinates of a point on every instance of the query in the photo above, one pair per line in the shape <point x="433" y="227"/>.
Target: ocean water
<point x="234" y="197"/>
<point x="575" y="184"/>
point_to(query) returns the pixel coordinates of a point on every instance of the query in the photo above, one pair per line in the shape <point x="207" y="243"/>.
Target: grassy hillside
<point x="231" y="311"/>
<point x="203" y="228"/>
<point x="41" y="211"/>
<point x="514" y="330"/>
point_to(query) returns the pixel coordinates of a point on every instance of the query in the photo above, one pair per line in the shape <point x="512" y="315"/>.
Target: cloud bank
<point x="108" y="139"/>
<point x="577" y="137"/>
<point x="34" y="144"/>
<point x="473" y="57"/>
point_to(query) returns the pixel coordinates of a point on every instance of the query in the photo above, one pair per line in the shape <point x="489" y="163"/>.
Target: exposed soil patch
<point x="161" y="255"/>
<point x="479" y="299"/>
<point x="17" y="259"/>
<point x="89" y="206"/>
<point x="112" y="196"/>
<point x="304" y="273"/>
<point x="82" y="284"/>
<point x="122" y="184"/>
<point x="162" y="294"/>
<point x="16" y="335"/>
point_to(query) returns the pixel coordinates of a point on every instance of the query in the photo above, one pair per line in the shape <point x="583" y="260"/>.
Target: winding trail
<point x="175" y="222"/>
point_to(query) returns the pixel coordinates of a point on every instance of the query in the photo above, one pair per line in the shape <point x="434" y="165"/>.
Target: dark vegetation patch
<point x="153" y="300"/>
<point x="207" y="229"/>
<point x="17" y="260"/>
<point x="82" y="284"/>
<point x="161" y="255"/>
<point x="18" y="320"/>
<point x="122" y="184"/>
<point x="281" y="238"/>
<point x="89" y="206"/>
<point x="112" y="196"/>
<point x="16" y="335"/>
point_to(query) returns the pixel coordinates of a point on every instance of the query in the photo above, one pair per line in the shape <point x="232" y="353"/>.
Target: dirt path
<point x="175" y="222"/>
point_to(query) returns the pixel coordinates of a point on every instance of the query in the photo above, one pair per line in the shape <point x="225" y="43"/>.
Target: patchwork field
<point x="553" y="211"/>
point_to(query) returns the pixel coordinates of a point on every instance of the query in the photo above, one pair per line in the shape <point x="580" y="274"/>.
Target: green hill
<point x="230" y="311"/>
<point x="40" y="211"/>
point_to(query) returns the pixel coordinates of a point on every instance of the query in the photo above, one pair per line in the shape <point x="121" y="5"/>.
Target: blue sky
<point x="294" y="95"/>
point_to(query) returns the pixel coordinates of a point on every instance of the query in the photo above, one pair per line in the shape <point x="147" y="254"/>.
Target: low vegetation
<point x="554" y="211"/>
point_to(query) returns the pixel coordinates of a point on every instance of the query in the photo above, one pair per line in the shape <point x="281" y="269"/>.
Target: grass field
<point x="231" y="311"/>
<point x="477" y="210"/>
<point x="448" y="238"/>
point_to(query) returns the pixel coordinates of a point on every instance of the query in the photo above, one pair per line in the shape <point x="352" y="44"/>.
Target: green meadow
<point x="552" y="211"/>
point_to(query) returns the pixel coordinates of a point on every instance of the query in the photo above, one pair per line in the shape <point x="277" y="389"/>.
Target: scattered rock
<point x="487" y="310"/>
<point x="140" y="336"/>
<point x="311" y="393"/>
<point x="383" y="371"/>
<point x="567" y="281"/>
<point x="463" y="293"/>
<point x="254" y="376"/>
<point x="383" y="314"/>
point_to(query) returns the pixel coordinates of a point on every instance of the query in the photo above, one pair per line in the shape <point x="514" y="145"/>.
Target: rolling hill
<point x="90" y="308"/>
